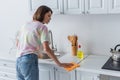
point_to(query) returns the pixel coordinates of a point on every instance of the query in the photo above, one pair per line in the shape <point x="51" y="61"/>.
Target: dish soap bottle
<point x="80" y="53"/>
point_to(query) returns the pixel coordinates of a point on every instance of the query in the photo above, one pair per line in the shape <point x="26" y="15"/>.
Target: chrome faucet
<point x="51" y="41"/>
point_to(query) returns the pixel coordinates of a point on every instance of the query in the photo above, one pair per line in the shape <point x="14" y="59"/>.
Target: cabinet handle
<point x="83" y="12"/>
<point x="61" y="13"/>
<point x="6" y="75"/>
<point x="88" y="12"/>
<point x="96" y="78"/>
<point x="5" y="64"/>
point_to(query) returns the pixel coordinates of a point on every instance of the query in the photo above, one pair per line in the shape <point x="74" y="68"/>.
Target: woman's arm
<point x="50" y="53"/>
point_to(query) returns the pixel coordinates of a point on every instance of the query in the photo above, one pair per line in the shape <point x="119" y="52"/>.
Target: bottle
<point x="80" y="53"/>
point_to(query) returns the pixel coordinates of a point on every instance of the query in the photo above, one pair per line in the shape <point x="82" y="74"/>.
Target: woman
<point x="31" y="39"/>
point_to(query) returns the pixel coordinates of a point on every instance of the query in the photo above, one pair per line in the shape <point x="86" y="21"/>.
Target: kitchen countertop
<point x="94" y="63"/>
<point x="66" y="58"/>
<point x="91" y="63"/>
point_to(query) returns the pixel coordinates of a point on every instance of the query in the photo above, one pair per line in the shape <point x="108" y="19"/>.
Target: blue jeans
<point x="27" y="67"/>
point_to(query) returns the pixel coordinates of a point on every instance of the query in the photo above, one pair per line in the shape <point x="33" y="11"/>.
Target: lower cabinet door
<point x="87" y="76"/>
<point x="46" y="72"/>
<point x="7" y="76"/>
<point x="61" y="74"/>
<point x="7" y="70"/>
<point x="114" y="78"/>
<point x="107" y="77"/>
<point x="104" y="77"/>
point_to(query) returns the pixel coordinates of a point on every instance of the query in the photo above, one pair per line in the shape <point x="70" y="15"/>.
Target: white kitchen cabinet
<point x="91" y="6"/>
<point x="87" y="76"/>
<point x="73" y="6"/>
<point x="107" y="77"/>
<point x="96" y="6"/>
<point x="7" y="70"/>
<point x="82" y="75"/>
<point x="54" y="4"/>
<point x="114" y="78"/>
<point x="110" y="77"/>
<point x="60" y="6"/>
<point x="46" y="72"/>
<point x="61" y="74"/>
<point x="114" y="6"/>
<point x="85" y="6"/>
<point x="104" y="77"/>
<point x="79" y="6"/>
<point x="49" y="72"/>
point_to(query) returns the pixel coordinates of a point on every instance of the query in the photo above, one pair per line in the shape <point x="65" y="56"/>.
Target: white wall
<point x="13" y="13"/>
<point x="105" y="31"/>
<point x="96" y="33"/>
<point x="64" y="25"/>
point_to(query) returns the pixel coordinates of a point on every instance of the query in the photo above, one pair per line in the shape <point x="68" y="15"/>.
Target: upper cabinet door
<point x="114" y="6"/>
<point x="53" y="4"/>
<point x="73" y="6"/>
<point x="96" y="6"/>
<point x="78" y="6"/>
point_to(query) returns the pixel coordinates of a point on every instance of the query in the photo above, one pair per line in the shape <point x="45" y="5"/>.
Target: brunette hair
<point x="40" y="13"/>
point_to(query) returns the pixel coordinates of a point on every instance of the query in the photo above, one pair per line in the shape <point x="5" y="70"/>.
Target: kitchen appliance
<point x="116" y="53"/>
<point x="111" y="65"/>
<point x="113" y="62"/>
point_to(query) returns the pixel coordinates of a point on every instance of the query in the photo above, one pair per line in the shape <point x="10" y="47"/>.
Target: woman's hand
<point x="65" y="64"/>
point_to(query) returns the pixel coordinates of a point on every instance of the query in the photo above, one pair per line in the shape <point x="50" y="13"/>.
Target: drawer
<point x="9" y="70"/>
<point x="3" y="78"/>
<point x="7" y="75"/>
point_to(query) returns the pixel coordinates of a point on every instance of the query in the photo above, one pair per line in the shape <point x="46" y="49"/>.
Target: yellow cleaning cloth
<point x="75" y="65"/>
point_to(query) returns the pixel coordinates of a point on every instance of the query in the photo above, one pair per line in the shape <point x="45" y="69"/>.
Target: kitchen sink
<point x="46" y="57"/>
